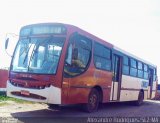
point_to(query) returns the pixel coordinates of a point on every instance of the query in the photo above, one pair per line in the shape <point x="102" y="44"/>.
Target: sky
<point x="132" y="25"/>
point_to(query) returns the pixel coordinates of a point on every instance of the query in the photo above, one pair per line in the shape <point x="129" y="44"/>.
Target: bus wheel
<point x="93" y="101"/>
<point x="54" y="107"/>
<point x="140" y="98"/>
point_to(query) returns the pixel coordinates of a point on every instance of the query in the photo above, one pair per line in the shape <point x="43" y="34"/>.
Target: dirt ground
<point x="6" y="110"/>
<point x="18" y="111"/>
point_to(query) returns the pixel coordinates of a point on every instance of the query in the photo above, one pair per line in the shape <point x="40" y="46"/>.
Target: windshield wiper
<point x="37" y="46"/>
<point x="27" y="52"/>
<point x="35" y="49"/>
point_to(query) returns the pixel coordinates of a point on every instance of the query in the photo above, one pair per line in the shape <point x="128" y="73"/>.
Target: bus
<point x="61" y="64"/>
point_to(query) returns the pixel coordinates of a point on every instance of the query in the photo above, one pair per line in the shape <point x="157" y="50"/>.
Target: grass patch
<point x="3" y="103"/>
<point x="4" y="98"/>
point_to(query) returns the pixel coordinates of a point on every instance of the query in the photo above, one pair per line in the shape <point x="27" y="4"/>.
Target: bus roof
<point x="133" y="56"/>
<point x="120" y="50"/>
<point x="72" y="27"/>
<point x="93" y="37"/>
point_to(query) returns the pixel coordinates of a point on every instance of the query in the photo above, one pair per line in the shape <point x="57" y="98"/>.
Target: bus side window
<point x="133" y="67"/>
<point x="140" y="69"/>
<point x="145" y="67"/>
<point x="78" y="55"/>
<point x="102" y="57"/>
<point x="125" y="65"/>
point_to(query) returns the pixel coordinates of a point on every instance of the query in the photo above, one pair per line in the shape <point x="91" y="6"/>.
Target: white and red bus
<point x="61" y="64"/>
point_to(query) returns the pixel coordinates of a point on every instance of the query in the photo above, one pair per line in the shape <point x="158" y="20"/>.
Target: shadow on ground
<point x="75" y="113"/>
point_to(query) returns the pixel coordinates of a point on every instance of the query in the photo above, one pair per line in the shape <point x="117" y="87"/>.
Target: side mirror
<point x="6" y="46"/>
<point x="6" y="43"/>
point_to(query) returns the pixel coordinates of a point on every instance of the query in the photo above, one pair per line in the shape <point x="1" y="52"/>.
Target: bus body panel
<point x="154" y="89"/>
<point x="134" y="84"/>
<point x="50" y="94"/>
<point x="130" y="88"/>
<point x="80" y="88"/>
<point x="76" y="89"/>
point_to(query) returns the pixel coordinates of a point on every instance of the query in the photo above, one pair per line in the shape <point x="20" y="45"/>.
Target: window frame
<point x="95" y="42"/>
<point x="132" y="60"/>
<point x="144" y="71"/>
<point x="145" y="65"/>
<point x="140" y="69"/>
<point x="133" y="67"/>
<point x="75" y="35"/>
<point x="126" y="65"/>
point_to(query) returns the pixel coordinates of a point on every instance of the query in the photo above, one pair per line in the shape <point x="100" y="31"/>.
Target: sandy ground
<point x="19" y="112"/>
<point x="11" y="107"/>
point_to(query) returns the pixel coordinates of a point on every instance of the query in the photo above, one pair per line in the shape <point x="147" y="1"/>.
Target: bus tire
<point x="93" y="101"/>
<point x="54" y="107"/>
<point x="140" y="99"/>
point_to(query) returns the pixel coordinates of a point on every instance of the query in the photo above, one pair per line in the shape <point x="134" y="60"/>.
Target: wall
<point x="3" y="78"/>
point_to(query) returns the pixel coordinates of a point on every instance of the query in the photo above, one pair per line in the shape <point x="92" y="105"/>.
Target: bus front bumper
<point x="51" y="95"/>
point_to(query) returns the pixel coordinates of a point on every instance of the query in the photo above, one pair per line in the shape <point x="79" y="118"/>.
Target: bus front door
<point x="150" y="83"/>
<point x="117" y="76"/>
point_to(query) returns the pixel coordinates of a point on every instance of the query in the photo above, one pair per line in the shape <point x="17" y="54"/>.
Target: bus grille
<point x="31" y="95"/>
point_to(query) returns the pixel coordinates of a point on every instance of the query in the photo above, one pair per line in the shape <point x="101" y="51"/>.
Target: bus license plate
<point x="26" y="93"/>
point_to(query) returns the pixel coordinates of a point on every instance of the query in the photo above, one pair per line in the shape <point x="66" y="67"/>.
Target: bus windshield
<point x="37" y="55"/>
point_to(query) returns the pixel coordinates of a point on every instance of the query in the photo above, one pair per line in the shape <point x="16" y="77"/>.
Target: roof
<point x="131" y="55"/>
